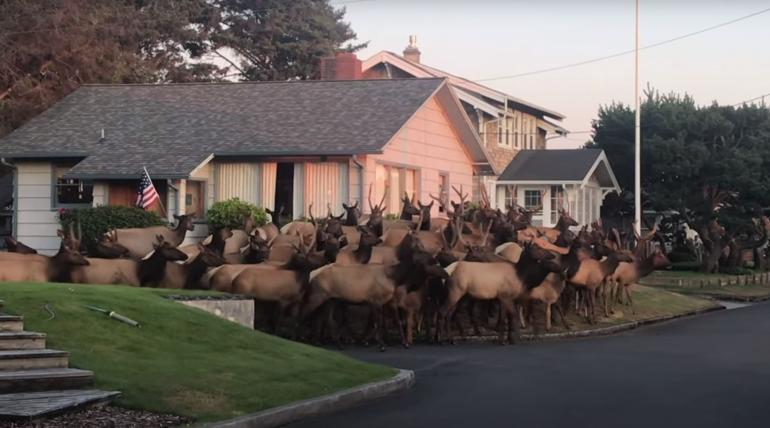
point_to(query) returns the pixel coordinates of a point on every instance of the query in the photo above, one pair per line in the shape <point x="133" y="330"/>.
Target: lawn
<point x="729" y="292"/>
<point x="649" y="303"/>
<point x="182" y="360"/>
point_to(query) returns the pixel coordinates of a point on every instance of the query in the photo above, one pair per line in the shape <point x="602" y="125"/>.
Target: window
<point x="557" y="202"/>
<point x="71" y="191"/>
<point x="500" y="130"/>
<point x="533" y="200"/>
<point x="392" y="182"/>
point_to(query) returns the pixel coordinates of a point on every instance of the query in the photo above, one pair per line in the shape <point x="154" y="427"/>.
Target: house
<point x="275" y="144"/>
<point x="575" y="180"/>
<point x="513" y="132"/>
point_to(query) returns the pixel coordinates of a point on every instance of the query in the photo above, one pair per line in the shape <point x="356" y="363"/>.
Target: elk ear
<point x="430" y="205"/>
<point x="344" y="205"/>
<point x="60" y="233"/>
<point x="177" y="216"/>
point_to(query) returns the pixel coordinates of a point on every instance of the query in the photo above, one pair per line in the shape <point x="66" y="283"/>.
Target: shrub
<point x="230" y="213"/>
<point x="95" y="222"/>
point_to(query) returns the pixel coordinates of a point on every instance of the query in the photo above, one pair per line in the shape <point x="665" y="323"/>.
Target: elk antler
<point x="310" y="213"/>
<point x="369" y="198"/>
<point x="485" y="234"/>
<point x="329" y="210"/>
<point x="442" y="204"/>
<point x="419" y="220"/>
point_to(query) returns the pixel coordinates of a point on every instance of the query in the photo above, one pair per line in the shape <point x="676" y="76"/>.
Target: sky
<point x="482" y="39"/>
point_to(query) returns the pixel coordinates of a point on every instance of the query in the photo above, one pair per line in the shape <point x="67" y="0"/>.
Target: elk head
<point x="70" y="256"/>
<point x="258" y="250"/>
<point x="408" y="209"/>
<point x="377" y="211"/>
<point x="185" y="221"/>
<point x="208" y="257"/>
<point x="424" y="215"/>
<point x="275" y="216"/>
<point x="352" y="214"/>
<point x="109" y="248"/>
<point x="333" y="224"/>
<point x="15" y="246"/>
<point x="168" y="251"/>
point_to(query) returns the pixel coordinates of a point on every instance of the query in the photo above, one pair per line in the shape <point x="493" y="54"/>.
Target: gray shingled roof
<point x="550" y="165"/>
<point x="172" y="128"/>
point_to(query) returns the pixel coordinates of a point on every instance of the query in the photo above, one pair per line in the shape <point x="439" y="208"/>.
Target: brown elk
<point x="272" y="229"/>
<point x="284" y="286"/>
<point x="376" y="214"/>
<point x="15" y="246"/>
<point x="220" y="241"/>
<point x="188" y="275"/>
<point x="628" y="274"/>
<point x="148" y="271"/>
<point x="140" y="241"/>
<point x="364" y="252"/>
<point x="108" y="248"/>
<point x="352" y="214"/>
<point x="503" y="281"/>
<point x="408" y="209"/>
<point x="38" y="268"/>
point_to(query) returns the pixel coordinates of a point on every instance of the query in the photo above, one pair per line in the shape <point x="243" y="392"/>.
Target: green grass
<point x="182" y="360"/>
<point x="742" y="292"/>
<point x="649" y="303"/>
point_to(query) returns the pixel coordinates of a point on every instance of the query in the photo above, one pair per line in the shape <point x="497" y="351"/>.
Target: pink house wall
<point x="429" y="144"/>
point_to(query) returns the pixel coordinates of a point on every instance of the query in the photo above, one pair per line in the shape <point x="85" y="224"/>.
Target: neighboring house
<point x="552" y="179"/>
<point x="288" y="144"/>
<point x="505" y="124"/>
<point x="513" y="132"/>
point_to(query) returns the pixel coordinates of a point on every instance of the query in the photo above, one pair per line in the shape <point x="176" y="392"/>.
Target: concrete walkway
<point x="711" y="370"/>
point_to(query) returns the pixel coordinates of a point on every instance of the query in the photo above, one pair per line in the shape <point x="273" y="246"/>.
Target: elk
<point x="352" y="214"/>
<point x="15" y="246"/>
<point x="220" y="241"/>
<point x="408" y="209"/>
<point x="108" y="248"/>
<point x="256" y="256"/>
<point x="140" y="241"/>
<point x="628" y="274"/>
<point x="364" y="252"/>
<point x="148" y="271"/>
<point x="503" y="281"/>
<point x="39" y="268"/>
<point x="188" y="275"/>
<point x="284" y="286"/>
<point x="376" y="213"/>
<point x="548" y="292"/>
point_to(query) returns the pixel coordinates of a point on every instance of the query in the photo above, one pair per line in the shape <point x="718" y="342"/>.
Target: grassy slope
<point x="649" y="302"/>
<point x="182" y="360"/>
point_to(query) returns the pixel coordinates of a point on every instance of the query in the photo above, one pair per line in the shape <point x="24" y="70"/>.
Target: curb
<point x="601" y="331"/>
<point x="734" y="298"/>
<point x="293" y="412"/>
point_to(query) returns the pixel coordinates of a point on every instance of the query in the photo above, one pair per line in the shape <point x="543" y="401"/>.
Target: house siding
<point x="428" y="144"/>
<point x="36" y="219"/>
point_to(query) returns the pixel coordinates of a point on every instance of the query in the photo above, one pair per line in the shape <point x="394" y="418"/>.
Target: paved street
<point x="708" y="371"/>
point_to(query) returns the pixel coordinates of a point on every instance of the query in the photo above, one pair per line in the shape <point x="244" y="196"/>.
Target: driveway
<point x="707" y="371"/>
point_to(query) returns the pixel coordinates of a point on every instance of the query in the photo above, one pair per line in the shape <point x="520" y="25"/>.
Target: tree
<point x="707" y="162"/>
<point x="50" y="47"/>
<point x="281" y="40"/>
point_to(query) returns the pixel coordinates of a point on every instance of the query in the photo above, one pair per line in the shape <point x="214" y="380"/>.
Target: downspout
<point x="360" y="179"/>
<point x="15" y="181"/>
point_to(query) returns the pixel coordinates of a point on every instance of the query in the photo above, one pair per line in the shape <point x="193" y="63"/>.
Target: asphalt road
<point x="711" y="370"/>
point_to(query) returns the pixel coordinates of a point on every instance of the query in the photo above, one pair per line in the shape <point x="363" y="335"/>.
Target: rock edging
<point x="293" y="412"/>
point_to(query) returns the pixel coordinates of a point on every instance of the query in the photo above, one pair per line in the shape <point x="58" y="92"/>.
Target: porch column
<point x="181" y="202"/>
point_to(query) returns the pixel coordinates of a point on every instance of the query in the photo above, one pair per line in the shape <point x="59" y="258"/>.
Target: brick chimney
<point x="411" y="52"/>
<point x="342" y="66"/>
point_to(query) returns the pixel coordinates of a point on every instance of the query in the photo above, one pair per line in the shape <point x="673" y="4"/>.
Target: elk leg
<point x="630" y="300"/>
<point x="561" y="315"/>
<point x="399" y="323"/>
<point x="522" y="316"/>
<point x="547" y="317"/>
<point x="379" y="321"/>
<point x="472" y="303"/>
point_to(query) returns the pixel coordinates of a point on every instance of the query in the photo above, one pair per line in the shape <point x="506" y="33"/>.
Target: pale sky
<point x="486" y="38"/>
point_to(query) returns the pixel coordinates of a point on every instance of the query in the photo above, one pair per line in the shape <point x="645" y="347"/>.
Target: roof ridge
<point x="259" y="82"/>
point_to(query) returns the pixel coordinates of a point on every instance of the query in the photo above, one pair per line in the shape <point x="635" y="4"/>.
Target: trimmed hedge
<point x="95" y="222"/>
<point x="230" y="213"/>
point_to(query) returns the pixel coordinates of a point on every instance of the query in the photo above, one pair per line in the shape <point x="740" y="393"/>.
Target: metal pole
<point x="637" y="136"/>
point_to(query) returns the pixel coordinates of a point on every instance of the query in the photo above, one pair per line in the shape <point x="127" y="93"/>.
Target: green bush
<point x="95" y="222"/>
<point x="230" y="213"/>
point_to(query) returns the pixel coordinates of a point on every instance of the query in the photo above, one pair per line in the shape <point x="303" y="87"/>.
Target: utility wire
<point x="618" y="54"/>
<point x="762" y="97"/>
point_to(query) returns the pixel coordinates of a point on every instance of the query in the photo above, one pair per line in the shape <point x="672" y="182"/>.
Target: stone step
<point x="30" y="405"/>
<point x="24" y="359"/>
<point x="21" y="340"/>
<point x="11" y="323"/>
<point x="44" y="379"/>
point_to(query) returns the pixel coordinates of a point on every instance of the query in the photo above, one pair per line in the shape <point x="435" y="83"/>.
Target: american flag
<point x="147" y="194"/>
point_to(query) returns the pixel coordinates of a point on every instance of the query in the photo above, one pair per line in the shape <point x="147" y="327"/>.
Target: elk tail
<point x="451" y="268"/>
<point x="500" y="248"/>
<point x="318" y="271"/>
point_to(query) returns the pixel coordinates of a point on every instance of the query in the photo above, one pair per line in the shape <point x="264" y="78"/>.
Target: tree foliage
<point x="50" y="47"/>
<point x="700" y="158"/>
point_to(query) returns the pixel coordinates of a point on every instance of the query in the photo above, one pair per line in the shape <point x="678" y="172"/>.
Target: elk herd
<point x="325" y="277"/>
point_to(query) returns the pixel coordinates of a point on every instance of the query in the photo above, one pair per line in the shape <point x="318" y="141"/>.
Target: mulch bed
<point x="104" y="417"/>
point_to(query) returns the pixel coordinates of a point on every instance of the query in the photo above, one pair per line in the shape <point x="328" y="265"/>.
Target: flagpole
<point x="637" y="135"/>
<point x="162" y="207"/>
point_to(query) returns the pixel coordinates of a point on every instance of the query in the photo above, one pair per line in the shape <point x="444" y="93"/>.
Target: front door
<point x="284" y="189"/>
